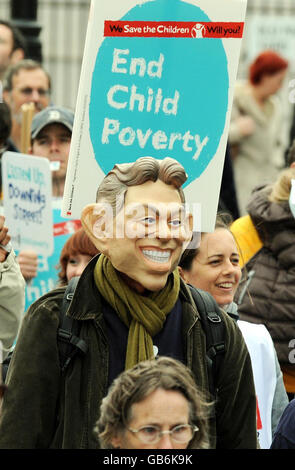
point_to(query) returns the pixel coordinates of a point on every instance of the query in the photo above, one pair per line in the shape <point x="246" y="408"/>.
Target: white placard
<point x="27" y="200"/>
<point x="276" y="32"/>
<point x="157" y="79"/>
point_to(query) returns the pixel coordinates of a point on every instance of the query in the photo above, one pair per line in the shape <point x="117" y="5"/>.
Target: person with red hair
<point x="255" y="133"/>
<point x="75" y="255"/>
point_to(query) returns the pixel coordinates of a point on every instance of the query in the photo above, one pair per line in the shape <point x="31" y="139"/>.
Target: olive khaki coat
<point x="43" y="409"/>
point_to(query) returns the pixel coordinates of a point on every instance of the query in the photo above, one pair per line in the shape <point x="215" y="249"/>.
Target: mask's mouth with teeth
<point x="157" y="256"/>
<point x="226" y="285"/>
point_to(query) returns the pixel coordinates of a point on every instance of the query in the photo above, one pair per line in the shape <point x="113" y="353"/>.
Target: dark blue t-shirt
<point x="284" y="437"/>
<point x="168" y="342"/>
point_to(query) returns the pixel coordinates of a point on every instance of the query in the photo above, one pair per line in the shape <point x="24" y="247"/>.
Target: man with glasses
<point x="25" y="82"/>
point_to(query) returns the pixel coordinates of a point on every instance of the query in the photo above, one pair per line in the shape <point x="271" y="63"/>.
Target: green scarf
<point x="143" y="315"/>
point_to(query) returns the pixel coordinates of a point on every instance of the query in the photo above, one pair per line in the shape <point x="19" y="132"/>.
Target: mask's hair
<point x="115" y="184"/>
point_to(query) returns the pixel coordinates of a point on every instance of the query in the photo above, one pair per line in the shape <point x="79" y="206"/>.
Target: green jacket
<point x="42" y="409"/>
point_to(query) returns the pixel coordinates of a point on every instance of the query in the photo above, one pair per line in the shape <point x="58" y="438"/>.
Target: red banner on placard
<point x="63" y="228"/>
<point x="173" y="29"/>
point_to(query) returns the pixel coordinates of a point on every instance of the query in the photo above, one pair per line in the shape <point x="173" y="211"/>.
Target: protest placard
<point x="48" y="266"/>
<point x="157" y="79"/>
<point x="27" y="194"/>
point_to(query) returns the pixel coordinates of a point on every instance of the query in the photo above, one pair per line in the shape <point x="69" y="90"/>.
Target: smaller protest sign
<point x="27" y="202"/>
<point x="157" y="79"/>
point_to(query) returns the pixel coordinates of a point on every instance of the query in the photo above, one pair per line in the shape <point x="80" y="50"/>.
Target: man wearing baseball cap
<point x="51" y="134"/>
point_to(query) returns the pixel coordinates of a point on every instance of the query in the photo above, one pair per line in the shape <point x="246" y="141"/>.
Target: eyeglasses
<point x="28" y="91"/>
<point x="152" y="434"/>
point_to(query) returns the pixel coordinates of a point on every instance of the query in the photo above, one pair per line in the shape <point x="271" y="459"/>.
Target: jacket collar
<point x="87" y="304"/>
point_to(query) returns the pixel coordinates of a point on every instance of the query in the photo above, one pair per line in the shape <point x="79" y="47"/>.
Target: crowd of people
<point x="165" y="344"/>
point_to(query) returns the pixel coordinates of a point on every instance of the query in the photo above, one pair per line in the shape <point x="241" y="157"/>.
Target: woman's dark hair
<point x="266" y="63"/>
<point x="223" y="220"/>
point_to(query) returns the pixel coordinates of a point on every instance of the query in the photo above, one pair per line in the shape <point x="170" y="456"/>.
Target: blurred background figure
<point x="51" y="134"/>
<point x="285" y="433"/>
<point x="268" y="294"/>
<point x="12" y="292"/>
<point x="255" y="134"/>
<point x="25" y="82"/>
<point x="13" y="46"/>
<point x="228" y="196"/>
<point x="2" y="385"/>
<point x="76" y="254"/>
<point x="154" y="405"/>
<point x="5" y="129"/>
<point x="214" y="267"/>
<point x="244" y="230"/>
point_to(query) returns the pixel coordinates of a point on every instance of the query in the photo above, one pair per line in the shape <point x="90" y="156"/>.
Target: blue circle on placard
<point x="196" y="69"/>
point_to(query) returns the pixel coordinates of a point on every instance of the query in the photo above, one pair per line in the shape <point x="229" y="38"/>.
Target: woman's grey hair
<point x="134" y="385"/>
<point x="113" y="188"/>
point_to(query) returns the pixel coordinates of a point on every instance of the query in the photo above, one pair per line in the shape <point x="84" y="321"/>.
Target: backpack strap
<point x="213" y="326"/>
<point x="68" y="341"/>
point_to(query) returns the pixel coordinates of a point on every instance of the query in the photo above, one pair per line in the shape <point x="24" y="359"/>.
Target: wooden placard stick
<point x="27" y="110"/>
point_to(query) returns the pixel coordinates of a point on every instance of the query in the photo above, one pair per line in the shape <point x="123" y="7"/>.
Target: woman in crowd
<point x="154" y="405"/>
<point x="214" y="267"/>
<point x="75" y="255"/>
<point x="271" y="285"/>
<point x="255" y="133"/>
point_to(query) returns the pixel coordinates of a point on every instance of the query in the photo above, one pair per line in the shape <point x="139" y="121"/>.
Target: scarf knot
<point x="143" y="315"/>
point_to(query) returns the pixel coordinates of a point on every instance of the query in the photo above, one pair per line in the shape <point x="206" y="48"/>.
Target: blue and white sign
<point x="157" y="79"/>
<point x="27" y="193"/>
<point x="48" y="266"/>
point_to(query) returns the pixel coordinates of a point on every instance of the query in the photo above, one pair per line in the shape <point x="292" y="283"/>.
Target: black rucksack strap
<point x="69" y="343"/>
<point x="213" y="326"/>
